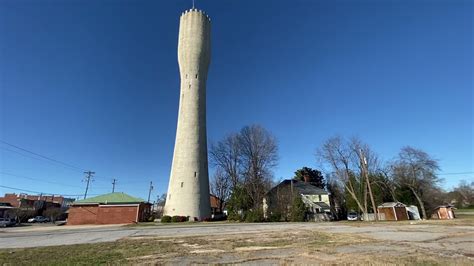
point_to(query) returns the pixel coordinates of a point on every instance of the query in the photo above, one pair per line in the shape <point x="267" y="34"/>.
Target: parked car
<point x="352" y="216"/>
<point x="38" y="219"/>
<point x="59" y="223"/>
<point x="4" y="222"/>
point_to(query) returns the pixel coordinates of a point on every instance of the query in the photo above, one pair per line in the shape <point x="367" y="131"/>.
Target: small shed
<point x="413" y="213"/>
<point x="112" y="208"/>
<point x="444" y="212"/>
<point x="393" y="211"/>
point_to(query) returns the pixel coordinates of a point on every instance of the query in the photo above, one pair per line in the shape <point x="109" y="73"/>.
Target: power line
<point x="77" y="168"/>
<point x="460" y="173"/>
<point x="32" y="191"/>
<point x="37" y="179"/>
<point x="133" y="183"/>
<point x="43" y="156"/>
<point x="33" y="157"/>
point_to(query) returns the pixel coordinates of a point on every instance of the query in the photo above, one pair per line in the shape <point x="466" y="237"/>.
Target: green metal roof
<point x="111" y="198"/>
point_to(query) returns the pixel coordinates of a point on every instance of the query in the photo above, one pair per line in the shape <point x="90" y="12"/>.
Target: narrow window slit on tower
<point x="190" y="86"/>
<point x="195" y="174"/>
<point x="182" y="183"/>
<point x="196" y="75"/>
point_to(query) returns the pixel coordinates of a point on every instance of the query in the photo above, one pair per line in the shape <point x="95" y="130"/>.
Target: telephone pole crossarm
<point x="88" y="179"/>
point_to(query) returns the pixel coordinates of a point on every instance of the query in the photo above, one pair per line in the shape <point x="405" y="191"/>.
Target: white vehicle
<point x="352" y="216"/>
<point x="38" y="219"/>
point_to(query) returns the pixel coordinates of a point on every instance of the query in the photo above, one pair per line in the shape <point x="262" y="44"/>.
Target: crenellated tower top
<point x="195" y="11"/>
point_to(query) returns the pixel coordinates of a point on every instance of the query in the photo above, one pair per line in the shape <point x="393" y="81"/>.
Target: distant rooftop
<point x="391" y="205"/>
<point x="302" y="187"/>
<point x="111" y="198"/>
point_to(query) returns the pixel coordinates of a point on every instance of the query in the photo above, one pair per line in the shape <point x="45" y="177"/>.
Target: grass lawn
<point x="470" y="210"/>
<point x="130" y="251"/>
<point x="99" y="253"/>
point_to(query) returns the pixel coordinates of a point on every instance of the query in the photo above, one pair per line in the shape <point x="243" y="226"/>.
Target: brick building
<point x="28" y="201"/>
<point x="216" y="205"/>
<point x="112" y="208"/>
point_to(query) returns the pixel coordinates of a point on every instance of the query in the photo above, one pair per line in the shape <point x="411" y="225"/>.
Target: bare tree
<point x="226" y="156"/>
<point x="259" y="154"/>
<point x="388" y="182"/>
<point x="463" y="194"/>
<point x="160" y="204"/>
<point x="365" y="158"/>
<point x="337" y="199"/>
<point x="221" y="187"/>
<point x="339" y="156"/>
<point x="352" y="163"/>
<point x="417" y="170"/>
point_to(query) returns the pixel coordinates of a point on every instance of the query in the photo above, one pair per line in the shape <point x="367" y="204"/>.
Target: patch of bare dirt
<point x="347" y="244"/>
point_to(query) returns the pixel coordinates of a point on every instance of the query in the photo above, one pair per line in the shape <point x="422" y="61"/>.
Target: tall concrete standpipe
<point x="188" y="190"/>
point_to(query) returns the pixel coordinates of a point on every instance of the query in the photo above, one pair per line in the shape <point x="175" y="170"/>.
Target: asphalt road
<point x="36" y="236"/>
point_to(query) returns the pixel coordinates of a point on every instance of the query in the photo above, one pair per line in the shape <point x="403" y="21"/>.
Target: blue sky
<point x="95" y="84"/>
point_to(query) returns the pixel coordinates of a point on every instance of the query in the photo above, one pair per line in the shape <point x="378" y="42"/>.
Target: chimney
<point x="306" y="178"/>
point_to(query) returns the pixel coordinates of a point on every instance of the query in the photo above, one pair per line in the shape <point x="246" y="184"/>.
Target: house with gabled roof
<point x="112" y="208"/>
<point x="316" y="200"/>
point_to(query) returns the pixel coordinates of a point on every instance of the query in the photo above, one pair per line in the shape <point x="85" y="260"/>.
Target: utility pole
<point x="113" y="185"/>
<point x="369" y="186"/>
<point x="149" y="191"/>
<point x="88" y="179"/>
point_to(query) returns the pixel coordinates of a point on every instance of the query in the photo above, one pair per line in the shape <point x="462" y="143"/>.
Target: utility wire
<point x="460" y="173"/>
<point x="37" y="179"/>
<point x="43" y="156"/>
<point x="38" y="192"/>
<point x="32" y="157"/>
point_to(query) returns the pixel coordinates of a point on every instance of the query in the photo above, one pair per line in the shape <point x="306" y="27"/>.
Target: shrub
<point x="298" y="210"/>
<point x="179" y="219"/>
<point x="215" y="218"/>
<point x="238" y="204"/>
<point x="166" y="219"/>
<point x="275" y="217"/>
<point x="254" y="216"/>
<point x="235" y="216"/>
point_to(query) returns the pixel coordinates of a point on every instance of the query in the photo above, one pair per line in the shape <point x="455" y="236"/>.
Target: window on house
<point x="320" y="198"/>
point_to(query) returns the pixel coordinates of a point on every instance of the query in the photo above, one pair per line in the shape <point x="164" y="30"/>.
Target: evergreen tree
<point x="315" y="177"/>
